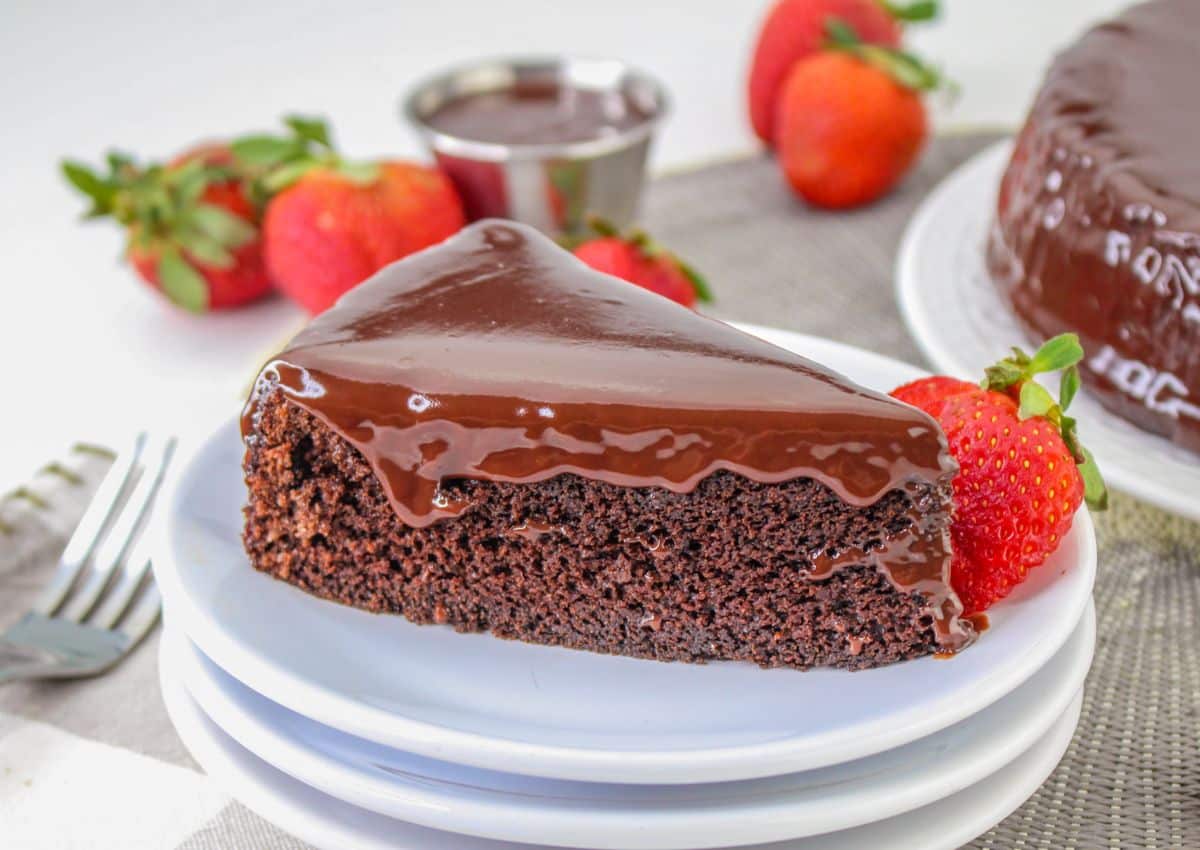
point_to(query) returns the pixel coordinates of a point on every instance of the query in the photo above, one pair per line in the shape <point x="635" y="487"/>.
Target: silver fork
<point x="101" y="600"/>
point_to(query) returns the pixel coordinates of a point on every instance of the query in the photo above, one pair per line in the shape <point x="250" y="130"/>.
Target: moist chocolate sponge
<point x="717" y="573"/>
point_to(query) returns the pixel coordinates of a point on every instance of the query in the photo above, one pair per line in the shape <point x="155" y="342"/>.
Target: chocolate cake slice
<point x="492" y="436"/>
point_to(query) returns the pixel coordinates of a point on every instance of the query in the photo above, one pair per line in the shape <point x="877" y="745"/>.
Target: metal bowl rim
<point x="463" y="148"/>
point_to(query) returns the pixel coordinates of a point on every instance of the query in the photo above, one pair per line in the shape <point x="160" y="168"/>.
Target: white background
<point x="88" y="352"/>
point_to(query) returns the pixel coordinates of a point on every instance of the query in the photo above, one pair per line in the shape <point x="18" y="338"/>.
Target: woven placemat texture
<point x="1131" y="778"/>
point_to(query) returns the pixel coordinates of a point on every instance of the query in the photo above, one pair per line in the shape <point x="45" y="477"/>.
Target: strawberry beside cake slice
<point x="492" y="436"/>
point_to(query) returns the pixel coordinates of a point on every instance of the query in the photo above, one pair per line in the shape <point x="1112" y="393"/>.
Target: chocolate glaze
<point x="537" y="113"/>
<point x="1098" y="224"/>
<point x="499" y="356"/>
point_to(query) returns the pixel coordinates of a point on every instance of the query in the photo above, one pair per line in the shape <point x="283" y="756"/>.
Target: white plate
<point x="515" y="707"/>
<point x="329" y="823"/>
<point x="961" y="323"/>
<point x="637" y="817"/>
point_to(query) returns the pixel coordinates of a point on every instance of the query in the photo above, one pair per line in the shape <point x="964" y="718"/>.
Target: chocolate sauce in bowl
<point x="538" y="113"/>
<point x="498" y="356"/>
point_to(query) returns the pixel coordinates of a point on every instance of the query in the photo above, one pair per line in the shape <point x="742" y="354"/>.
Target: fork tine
<point x="123" y="533"/>
<point x="88" y="532"/>
<point x="143" y="616"/>
<point x="114" y="603"/>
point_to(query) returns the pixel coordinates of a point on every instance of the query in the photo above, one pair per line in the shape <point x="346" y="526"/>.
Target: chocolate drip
<point x="905" y="560"/>
<point x="498" y="356"/>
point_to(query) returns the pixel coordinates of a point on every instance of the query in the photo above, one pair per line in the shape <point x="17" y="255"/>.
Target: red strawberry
<point x="639" y="260"/>
<point x="328" y="232"/>
<point x="794" y="30"/>
<point x="851" y="121"/>
<point x="192" y="229"/>
<point x="930" y="394"/>
<point x="1022" y="471"/>
<point x="330" y="224"/>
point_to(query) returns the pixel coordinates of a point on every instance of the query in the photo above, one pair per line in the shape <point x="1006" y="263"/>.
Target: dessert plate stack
<point x="354" y="730"/>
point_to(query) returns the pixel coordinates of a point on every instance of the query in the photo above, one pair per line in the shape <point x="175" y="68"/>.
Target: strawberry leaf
<point x="699" y="284"/>
<point x="191" y="188"/>
<point x="1058" y="353"/>
<point x="602" y="226"/>
<point x="903" y="67"/>
<point x="285" y="175"/>
<point x="204" y="249"/>
<point x="1095" y="491"/>
<point x="1071" y="438"/>
<point x="220" y="225"/>
<point x="100" y="191"/>
<point x="1001" y="376"/>
<point x="266" y="151"/>
<point x="309" y="129"/>
<point x="1068" y="387"/>
<point x="1035" y="401"/>
<point x="641" y="240"/>
<point x="181" y="283"/>
<point x="1061" y="352"/>
<point x="841" y="34"/>
<point x="361" y="173"/>
<point x="922" y="10"/>
<point x="118" y="162"/>
<point x="189" y="181"/>
<point x="277" y="162"/>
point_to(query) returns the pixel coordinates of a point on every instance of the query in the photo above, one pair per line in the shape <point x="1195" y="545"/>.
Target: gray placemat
<point x="1130" y="778"/>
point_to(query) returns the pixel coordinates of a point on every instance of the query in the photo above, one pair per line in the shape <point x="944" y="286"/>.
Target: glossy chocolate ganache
<point x="538" y="112"/>
<point x="1098" y="224"/>
<point x="498" y="356"/>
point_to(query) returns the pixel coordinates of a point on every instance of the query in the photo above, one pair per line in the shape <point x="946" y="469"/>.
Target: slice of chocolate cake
<point x="492" y="436"/>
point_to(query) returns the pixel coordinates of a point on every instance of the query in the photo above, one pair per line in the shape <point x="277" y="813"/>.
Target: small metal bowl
<point x="552" y="186"/>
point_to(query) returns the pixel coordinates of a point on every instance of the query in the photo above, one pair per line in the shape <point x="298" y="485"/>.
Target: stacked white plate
<point x="354" y="730"/>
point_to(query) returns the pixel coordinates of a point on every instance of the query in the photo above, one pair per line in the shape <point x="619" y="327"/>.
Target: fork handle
<point x="24" y="662"/>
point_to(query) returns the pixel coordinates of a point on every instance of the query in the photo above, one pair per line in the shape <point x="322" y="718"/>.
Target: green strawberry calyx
<point x="274" y="162"/>
<point x="1015" y="375"/>
<point x="166" y="217"/>
<point x="906" y="68"/>
<point x="644" y="243"/>
<point x="912" y="13"/>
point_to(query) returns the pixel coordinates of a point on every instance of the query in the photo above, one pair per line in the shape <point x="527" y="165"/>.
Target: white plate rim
<point x="921" y="238"/>
<point x="611" y="765"/>
<point x="469" y="808"/>
<point x="327" y="822"/>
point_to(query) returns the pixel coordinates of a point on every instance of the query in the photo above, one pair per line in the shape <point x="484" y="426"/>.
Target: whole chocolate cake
<point x="1098" y="226"/>
<point x="492" y="436"/>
